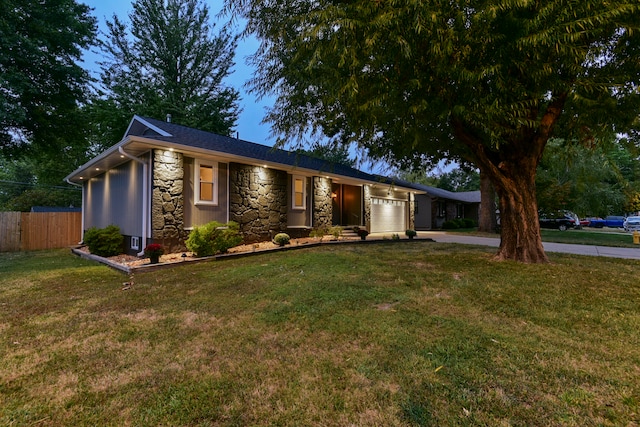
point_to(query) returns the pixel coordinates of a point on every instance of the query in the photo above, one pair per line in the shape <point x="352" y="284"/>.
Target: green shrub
<point x="469" y="223"/>
<point x="410" y="233"/>
<point x="213" y="238"/>
<point x="336" y="231"/>
<point x="318" y="232"/>
<point x="281" y="239"/>
<point x="104" y="242"/>
<point x="395" y="236"/>
<point x="450" y="225"/>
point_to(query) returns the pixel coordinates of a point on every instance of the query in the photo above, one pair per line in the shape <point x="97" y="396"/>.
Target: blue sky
<point x="248" y="126"/>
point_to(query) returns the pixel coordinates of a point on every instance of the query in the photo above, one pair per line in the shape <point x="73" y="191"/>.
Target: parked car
<point x="611" y="221"/>
<point x="559" y="220"/>
<point x="632" y="223"/>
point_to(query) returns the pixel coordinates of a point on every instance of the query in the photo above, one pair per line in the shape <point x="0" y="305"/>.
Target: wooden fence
<point x="29" y="231"/>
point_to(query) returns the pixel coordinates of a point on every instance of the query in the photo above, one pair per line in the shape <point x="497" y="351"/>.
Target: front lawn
<point x="586" y="236"/>
<point x="389" y="334"/>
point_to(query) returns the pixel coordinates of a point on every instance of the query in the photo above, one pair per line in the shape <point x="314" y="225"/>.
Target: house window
<point x="441" y="209"/>
<point x="298" y="193"/>
<point x="135" y="242"/>
<point x="205" y="182"/>
<point x="459" y="210"/>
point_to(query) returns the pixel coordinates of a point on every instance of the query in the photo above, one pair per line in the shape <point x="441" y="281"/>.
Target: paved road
<point x="605" y="251"/>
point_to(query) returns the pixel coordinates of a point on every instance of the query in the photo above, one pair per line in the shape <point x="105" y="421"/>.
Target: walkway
<point x="605" y="251"/>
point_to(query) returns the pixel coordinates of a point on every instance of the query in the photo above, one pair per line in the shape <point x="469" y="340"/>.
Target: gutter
<point x="82" y="209"/>
<point x="145" y="196"/>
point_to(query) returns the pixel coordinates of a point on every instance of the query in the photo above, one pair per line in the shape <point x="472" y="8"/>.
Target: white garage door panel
<point x="388" y="215"/>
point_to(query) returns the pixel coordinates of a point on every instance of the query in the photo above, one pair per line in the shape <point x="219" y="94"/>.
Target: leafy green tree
<point x="460" y="179"/>
<point x="167" y="61"/>
<point x="41" y="82"/>
<point x="597" y="181"/>
<point x="489" y="81"/>
<point x="331" y="152"/>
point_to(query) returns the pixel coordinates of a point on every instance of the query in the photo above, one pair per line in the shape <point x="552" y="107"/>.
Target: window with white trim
<point x="206" y="183"/>
<point x="298" y="192"/>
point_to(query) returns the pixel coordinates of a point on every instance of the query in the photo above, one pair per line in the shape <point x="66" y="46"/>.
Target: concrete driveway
<point x="605" y="251"/>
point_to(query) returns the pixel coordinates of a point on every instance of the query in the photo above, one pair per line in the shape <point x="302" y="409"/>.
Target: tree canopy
<point x="597" y="181"/>
<point x="42" y="85"/>
<point x="486" y="80"/>
<point x="166" y="61"/>
<point x="41" y="81"/>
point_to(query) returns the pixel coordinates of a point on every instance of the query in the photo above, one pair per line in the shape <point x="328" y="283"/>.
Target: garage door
<point x="388" y="215"/>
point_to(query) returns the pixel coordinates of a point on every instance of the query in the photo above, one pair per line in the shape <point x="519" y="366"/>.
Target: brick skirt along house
<point x="162" y="179"/>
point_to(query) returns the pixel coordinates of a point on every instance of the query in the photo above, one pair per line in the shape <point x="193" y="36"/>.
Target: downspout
<point x="145" y="196"/>
<point x="81" y="208"/>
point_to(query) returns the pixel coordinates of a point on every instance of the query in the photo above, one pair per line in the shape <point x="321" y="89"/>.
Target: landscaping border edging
<point x="163" y="265"/>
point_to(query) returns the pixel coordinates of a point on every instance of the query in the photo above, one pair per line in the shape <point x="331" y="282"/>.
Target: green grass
<point x="392" y="334"/>
<point x="585" y="236"/>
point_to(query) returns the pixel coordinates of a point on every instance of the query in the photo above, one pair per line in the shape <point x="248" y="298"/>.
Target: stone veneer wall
<point x="167" y="200"/>
<point x="322" y="207"/>
<point x="367" y="206"/>
<point x="258" y="201"/>
<point x="412" y="212"/>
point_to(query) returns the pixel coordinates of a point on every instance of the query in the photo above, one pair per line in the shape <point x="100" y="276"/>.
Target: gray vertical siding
<point x="201" y="214"/>
<point x="115" y="197"/>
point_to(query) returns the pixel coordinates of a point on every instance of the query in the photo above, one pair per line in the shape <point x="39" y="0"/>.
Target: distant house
<point x="435" y="206"/>
<point x="162" y="179"/>
<point x="48" y="209"/>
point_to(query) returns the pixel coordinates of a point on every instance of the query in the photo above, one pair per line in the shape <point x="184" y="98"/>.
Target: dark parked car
<point x="610" y="221"/>
<point x="559" y="220"/>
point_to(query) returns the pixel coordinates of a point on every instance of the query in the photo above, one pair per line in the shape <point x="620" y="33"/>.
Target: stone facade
<point x="367" y="207"/>
<point x="258" y="201"/>
<point x="167" y="200"/>
<point x="412" y="212"/>
<point x="322" y="208"/>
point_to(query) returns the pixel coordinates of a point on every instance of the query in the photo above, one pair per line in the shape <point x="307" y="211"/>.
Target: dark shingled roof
<point x="210" y="141"/>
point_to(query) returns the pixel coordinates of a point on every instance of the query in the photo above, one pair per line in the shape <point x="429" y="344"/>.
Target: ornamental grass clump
<point x="213" y="238"/>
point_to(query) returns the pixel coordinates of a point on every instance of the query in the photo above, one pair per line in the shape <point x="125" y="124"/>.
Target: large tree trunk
<point x="487" y="220"/>
<point x="519" y="226"/>
<point x="511" y="167"/>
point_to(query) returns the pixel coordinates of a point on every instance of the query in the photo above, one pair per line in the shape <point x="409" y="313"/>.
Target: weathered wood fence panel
<point x="39" y="230"/>
<point x="9" y="231"/>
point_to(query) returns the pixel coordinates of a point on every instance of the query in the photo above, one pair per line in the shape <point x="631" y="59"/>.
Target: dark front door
<point x="347" y="205"/>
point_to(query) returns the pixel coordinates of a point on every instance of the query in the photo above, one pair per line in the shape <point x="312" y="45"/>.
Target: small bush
<point x="213" y="238"/>
<point x="362" y="232"/>
<point x="410" y="233"/>
<point x="395" y="236"/>
<point x="469" y="223"/>
<point x="336" y="231"/>
<point x="104" y="242"/>
<point x="450" y="225"/>
<point x="281" y="239"/>
<point x="318" y="232"/>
